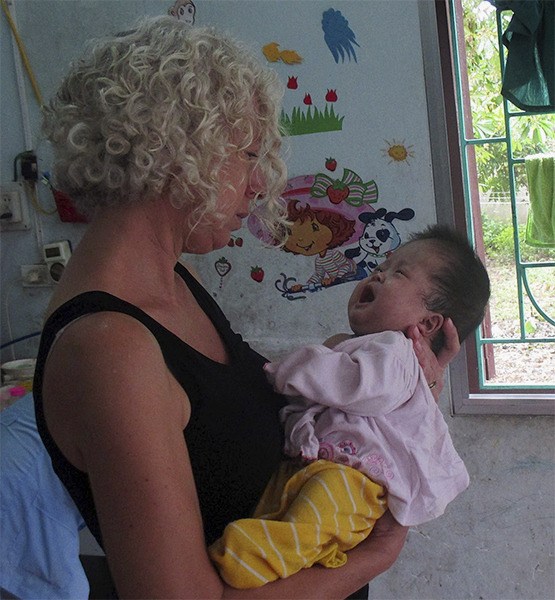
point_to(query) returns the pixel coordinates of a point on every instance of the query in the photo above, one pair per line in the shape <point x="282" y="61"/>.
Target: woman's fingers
<point x="432" y="365"/>
<point x="451" y="345"/>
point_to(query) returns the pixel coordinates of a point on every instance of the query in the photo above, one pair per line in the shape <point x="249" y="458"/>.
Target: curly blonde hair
<point x="157" y="111"/>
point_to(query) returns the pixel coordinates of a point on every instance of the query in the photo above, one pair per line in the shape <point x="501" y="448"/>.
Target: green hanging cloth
<point x="540" y="227"/>
<point x="529" y="78"/>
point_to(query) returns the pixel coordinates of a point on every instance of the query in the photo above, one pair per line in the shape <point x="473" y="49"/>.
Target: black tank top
<point x="234" y="437"/>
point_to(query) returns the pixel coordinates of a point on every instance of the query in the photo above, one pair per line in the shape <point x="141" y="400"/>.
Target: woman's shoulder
<point x="102" y="366"/>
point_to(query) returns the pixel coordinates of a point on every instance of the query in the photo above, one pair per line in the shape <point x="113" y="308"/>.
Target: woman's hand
<point x="386" y="540"/>
<point x="432" y="365"/>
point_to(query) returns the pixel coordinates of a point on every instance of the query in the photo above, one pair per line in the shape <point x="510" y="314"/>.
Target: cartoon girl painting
<point x="318" y="232"/>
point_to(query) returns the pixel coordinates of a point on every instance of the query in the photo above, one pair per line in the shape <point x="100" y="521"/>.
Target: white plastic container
<point x="19" y="372"/>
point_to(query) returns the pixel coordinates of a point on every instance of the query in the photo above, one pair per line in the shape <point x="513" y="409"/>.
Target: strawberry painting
<point x="337" y="192"/>
<point x="222" y="266"/>
<point x="331" y="164"/>
<point x="350" y="188"/>
<point x="235" y="241"/>
<point x="257" y="273"/>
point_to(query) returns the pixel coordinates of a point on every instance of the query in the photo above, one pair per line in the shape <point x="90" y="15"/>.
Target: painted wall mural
<point x="223" y="267"/>
<point x="309" y="118"/>
<point x="338" y="36"/>
<point x="333" y="222"/>
<point x="338" y="231"/>
<point x="273" y="54"/>
<point x="184" y="10"/>
<point x="398" y="152"/>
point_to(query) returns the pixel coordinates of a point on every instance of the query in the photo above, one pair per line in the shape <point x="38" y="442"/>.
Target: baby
<point x="362" y="425"/>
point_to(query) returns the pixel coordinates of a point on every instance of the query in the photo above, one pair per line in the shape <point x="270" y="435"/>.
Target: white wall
<point x="381" y="97"/>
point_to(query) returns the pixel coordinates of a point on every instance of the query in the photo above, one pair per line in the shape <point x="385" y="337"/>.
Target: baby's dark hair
<point x="461" y="286"/>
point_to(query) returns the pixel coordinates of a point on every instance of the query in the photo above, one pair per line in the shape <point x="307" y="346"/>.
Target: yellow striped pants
<point x="307" y="516"/>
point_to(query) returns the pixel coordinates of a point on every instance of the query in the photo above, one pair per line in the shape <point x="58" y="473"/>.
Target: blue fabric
<point x="39" y="523"/>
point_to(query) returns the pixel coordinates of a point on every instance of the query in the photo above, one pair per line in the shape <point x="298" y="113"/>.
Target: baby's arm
<point x="370" y="378"/>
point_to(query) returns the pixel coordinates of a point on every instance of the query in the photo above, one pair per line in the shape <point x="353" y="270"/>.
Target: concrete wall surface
<point x="495" y="541"/>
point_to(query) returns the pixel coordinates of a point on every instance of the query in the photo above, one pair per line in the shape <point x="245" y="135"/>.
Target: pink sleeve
<point x="369" y="380"/>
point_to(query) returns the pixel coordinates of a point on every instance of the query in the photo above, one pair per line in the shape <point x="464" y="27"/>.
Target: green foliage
<point x="529" y="135"/>
<point x="500" y="247"/>
<point x="498" y="239"/>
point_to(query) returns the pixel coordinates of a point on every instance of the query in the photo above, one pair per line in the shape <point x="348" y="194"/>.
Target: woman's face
<point x="240" y="182"/>
<point x="308" y="237"/>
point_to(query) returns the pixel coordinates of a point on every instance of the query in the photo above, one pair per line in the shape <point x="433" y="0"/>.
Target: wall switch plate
<point x="14" y="214"/>
<point x="35" y="276"/>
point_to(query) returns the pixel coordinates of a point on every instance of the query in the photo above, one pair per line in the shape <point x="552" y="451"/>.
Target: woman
<point x="157" y="417"/>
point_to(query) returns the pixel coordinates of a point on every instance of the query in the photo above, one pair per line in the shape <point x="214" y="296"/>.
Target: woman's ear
<point x="430" y="325"/>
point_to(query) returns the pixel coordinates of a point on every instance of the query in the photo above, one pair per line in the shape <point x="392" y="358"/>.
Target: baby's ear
<point x="430" y="325"/>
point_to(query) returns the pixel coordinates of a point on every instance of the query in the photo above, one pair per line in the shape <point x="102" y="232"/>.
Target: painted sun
<point x="398" y="151"/>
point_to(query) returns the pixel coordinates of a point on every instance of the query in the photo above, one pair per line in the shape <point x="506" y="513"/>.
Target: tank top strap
<point x="95" y="301"/>
<point x="203" y="298"/>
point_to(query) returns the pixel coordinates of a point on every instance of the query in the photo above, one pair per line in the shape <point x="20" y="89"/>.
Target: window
<point x="509" y="368"/>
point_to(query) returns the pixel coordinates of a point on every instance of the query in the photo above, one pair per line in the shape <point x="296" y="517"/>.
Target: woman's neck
<point x="129" y="251"/>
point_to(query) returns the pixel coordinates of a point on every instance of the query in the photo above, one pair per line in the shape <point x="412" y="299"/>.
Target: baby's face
<point x="392" y="298"/>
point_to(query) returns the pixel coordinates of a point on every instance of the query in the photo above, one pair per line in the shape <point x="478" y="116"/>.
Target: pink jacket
<point x="366" y="403"/>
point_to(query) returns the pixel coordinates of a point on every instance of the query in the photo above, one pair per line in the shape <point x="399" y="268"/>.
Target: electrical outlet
<point x="35" y="276"/>
<point x="14" y="214"/>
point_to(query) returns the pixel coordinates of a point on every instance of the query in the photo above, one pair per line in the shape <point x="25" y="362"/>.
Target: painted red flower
<point x="292" y="83"/>
<point x="307" y="99"/>
<point x="331" y="96"/>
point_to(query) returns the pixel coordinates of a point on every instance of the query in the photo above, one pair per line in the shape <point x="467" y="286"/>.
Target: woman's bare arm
<point x="119" y="415"/>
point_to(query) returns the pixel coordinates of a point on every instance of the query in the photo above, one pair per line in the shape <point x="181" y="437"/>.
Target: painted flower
<point x="331" y="96"/>
<point x="307" y="99"/>
<point x="292" y="83"/>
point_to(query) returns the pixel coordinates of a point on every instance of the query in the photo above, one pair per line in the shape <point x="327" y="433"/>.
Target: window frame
<point x="466" y="395"/>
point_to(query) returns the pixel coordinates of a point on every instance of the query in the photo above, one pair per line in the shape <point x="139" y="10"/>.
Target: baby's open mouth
<point x="367" y="294"/>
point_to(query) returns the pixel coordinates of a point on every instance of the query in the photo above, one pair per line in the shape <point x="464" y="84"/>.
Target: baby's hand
<point x="432" y="365"/>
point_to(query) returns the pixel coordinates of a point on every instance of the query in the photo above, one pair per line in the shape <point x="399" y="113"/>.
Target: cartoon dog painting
<point x="379" y="238"/>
